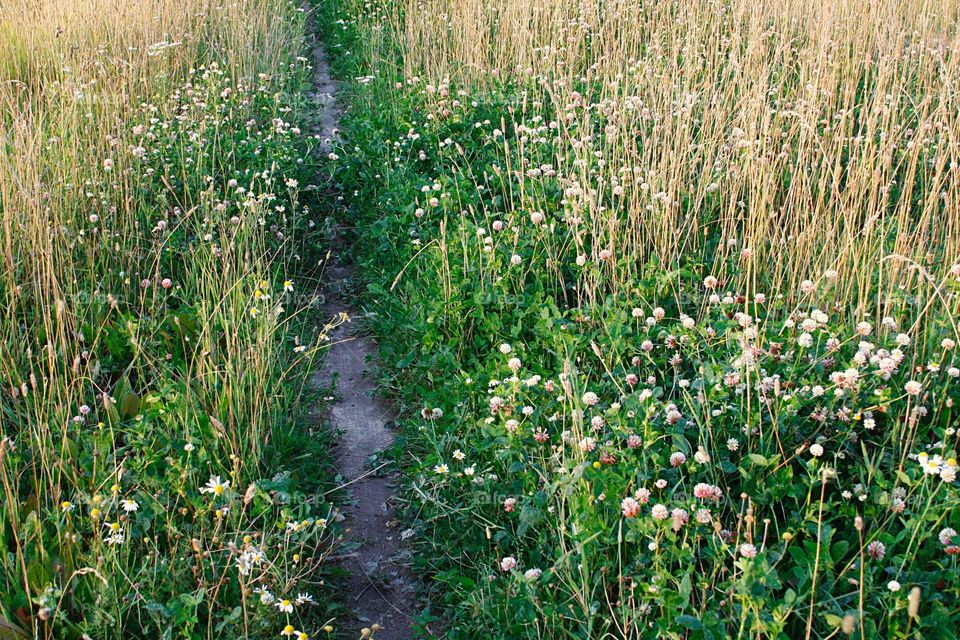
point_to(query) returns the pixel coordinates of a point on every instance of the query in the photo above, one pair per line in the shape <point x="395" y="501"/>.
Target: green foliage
<point x="158" y="479"/>
<point x="663" y="458"/>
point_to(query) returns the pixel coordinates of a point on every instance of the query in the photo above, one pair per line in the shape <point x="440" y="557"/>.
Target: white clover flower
<point x="659" y="512"/>
<point x="946" y="536"/>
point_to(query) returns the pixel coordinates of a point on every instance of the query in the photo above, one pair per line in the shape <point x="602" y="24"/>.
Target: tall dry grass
<point x="131" y="364"/>
<point x="817" y="136"/>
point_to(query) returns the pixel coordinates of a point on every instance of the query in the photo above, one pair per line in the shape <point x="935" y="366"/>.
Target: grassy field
<point x="667" y="292"/>
<point x="157" y="249"/>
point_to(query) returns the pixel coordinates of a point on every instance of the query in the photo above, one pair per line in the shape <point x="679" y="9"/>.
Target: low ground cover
<point x="669" y="311"/>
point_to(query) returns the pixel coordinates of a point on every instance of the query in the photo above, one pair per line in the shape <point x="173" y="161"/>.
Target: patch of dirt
<point x="379" y="588"/>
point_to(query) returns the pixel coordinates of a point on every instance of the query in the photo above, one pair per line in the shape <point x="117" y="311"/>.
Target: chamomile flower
<point x="215" y="486"/>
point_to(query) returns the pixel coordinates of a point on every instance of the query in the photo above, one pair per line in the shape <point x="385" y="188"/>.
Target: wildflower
<point x="66" y="506"/>
<point x="254" y="312"/>
<point x="441" y="469"/>
<point x="948" y="473"/>
<point x="590" y="398"/>
<point x="243" y="564"/>
<point x="733" y="444"/>
<point x="510" y="505"/>
<point x="710" y="282"/>
<point x="876" y="550"/>
<point x="707" y="492"/>
<point x="659" y="512"/>
<point x="677" y="458"/>
<point x="459" y="455"/>
<point x="680" y="517"/>
<point x="532" y="574"/>
<point x="816" y="450"/>
<point x="505" y="348"/>
<point x="913" y="388"/>
<point x="288" y="286"/>
<point x="288" y="631"/>
<point x="304" y="598"/>
<point x="509" y="563"/>
<point x="285" y="606"/>
<point x="630" y="507"/>
<point x="114" y="538"/>
<point x="946" y="535"/>
<point x="893" y="586"/>
<point x="931" y="465"/>
<point x="129" y="505"/>
<point x="747" y="550"/>
<point x="215" y="486"/>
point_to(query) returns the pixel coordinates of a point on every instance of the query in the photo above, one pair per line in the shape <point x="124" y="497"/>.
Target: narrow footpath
<point x="378" y="588"/>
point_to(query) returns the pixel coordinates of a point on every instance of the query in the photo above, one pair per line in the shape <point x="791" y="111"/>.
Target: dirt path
<point x="378" y="589"/>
